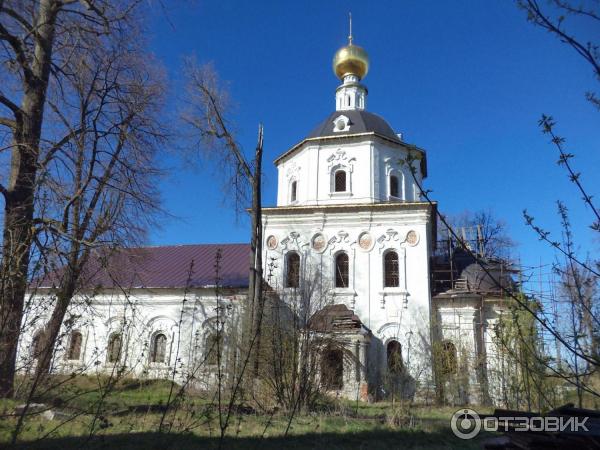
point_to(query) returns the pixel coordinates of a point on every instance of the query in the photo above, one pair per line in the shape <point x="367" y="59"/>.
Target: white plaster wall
<point x="391" y="313"/>
<point x="459" y="320"/>
<point x="368" y="163"/>
<point x="138" y="317"/>
<point x="392" y="161"/>
<point x="499" y="364"/>
<point x="350" y="97"/>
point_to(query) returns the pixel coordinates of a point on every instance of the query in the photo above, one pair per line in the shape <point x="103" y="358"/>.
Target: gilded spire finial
<point x="351" y="59"/>
<point x="350" y="35"/>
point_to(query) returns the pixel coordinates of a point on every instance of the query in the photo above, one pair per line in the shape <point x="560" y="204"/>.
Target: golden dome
<point x="351" y="59"/>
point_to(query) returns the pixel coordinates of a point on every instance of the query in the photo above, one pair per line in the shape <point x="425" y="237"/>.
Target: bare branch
<point x="577" y="10"/>
<point x="10" y="105"/>
<point x="539" y="17"/>
<point x="19" y="48"/>
<point x="203" y="84"/>
<point x="508" y="292"/>
<point x="8" y="123"/>
<point x="22" y="21"/>
<point x="547" y="124"/>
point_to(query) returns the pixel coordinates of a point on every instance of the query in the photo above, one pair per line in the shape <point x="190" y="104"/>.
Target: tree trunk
<point x="52" y="328"/>
<point x="257" y="246"/>
<point x="15" y="263"/>
<point x="19" y="198"/>
<point x="254" y="312"/>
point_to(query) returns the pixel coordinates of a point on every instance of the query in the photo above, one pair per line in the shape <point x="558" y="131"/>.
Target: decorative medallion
<point x="365" y="241"/>
<point x="271" y="242"/>
<point x="319" y="242"/>
<point x="412" y="238"/>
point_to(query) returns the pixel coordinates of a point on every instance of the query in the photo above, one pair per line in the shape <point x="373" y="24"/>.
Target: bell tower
<point x="350" y="235"/>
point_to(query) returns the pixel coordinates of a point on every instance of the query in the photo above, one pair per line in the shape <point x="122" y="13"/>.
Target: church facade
<point x="350" y="228"/>
<point x="350" y="236"/>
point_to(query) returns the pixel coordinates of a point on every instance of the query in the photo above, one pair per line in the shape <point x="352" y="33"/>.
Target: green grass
<point x="128" y="422"/>
<point x="84" y="392"/>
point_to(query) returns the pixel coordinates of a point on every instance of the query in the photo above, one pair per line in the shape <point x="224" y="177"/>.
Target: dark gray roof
<point x="478" y="280"/>
<point x="360" y="122"/>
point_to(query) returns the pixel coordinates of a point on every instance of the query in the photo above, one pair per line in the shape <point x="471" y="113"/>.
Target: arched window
<point x="74" y="352"/>
<point x="394" y="186"/>
<point x="36" y="344"/>
<point x="391" y="271"/>
<point x="292" y="262"/>
<point x="332" y="368"/>
<point x="348" y="100"/>
<point x="341" y="271"/>
<point x="293" y="191"/>
<point x="213" y="348"/>
<point x="448" y="358"/>
<point x="115" y="343"/>
<point x="394" y="358"/>
<point x="158" y="350"/>
<point x="340" y="181"/>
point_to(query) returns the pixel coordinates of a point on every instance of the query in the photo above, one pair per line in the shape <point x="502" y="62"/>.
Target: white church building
<point x="350" y="231"/>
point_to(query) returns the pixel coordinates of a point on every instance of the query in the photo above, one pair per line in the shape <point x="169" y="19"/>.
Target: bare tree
<point x="207" y="114"/>
<point x="564" y="20"/>
<point x="99" y="188"/>
<point x="294" y="349"/>
<point x="538" y="315"/>
<point x="487" y="232"/>
<point x="208" y="106"/>
<point x="38" y="38"/>
<point x="578" y="275"/>
<point x="580" y="301"/>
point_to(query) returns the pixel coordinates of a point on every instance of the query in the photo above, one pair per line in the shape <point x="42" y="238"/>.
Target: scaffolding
<point x="454" y="253"/>
<point x="463" y="273"/>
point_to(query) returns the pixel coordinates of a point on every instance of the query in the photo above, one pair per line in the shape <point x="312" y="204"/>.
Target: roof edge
<point x="413" y="147"/>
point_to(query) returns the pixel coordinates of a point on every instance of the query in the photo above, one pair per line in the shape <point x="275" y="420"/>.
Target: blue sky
<point x="465" y="80"/>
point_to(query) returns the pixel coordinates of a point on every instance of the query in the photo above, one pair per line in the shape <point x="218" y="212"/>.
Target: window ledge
<point x="112" y="365"/>
<point x="212" y="368"/>
<point x="394" y="291"/>
<point x="341" y="194"/>
<point x="73" y="363"/>
<point x="158" y="365"/>
<point x="344" y="291"/>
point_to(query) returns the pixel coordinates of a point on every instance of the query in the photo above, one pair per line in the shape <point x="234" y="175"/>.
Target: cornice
<point x="328" y="139"/>
<point x="350" y="208"/>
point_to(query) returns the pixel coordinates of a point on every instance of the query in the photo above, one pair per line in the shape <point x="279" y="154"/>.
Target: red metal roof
<point x="167" y="267"/>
